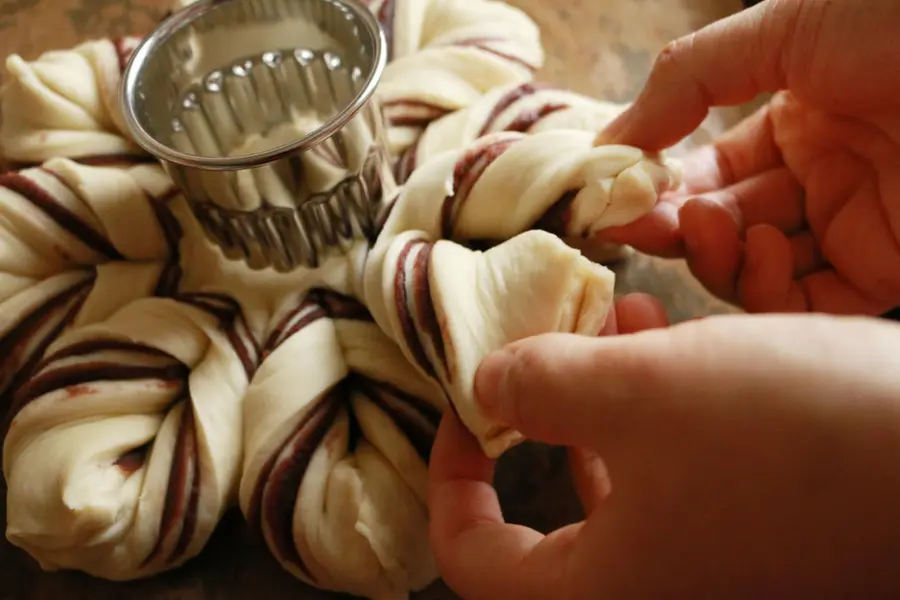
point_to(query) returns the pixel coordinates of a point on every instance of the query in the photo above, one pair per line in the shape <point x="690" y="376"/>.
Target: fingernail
<point x="492" y="379"/>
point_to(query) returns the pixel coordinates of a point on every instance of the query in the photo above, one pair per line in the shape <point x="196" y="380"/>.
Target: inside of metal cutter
<point x="248" y="78"/>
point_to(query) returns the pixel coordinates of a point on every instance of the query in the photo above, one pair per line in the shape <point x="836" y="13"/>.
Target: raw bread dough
<point x="34" y="312"/>
<point x="64" y="214"/>
<point x="125" y="447"/>
<point x="448" y="307"/>
<point x="139" y="429"/>
<point x="527" y="108"/>
<point x="65" y="104"/>
<point x="337" y="430"/>
<point x="507" y="182"/>
<point x="446" y="54"/>
<point x="65" y="231"/>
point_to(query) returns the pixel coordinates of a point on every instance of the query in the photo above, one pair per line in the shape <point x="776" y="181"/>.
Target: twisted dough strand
<point x="508" y="182"/>
<point x="60" y="226"/>
<point x="447" y="307"/>
<point x="338" y="430"/>
<point x="125" y="447"/>
<point x="65" y="104"/>
<point x="526" y="108"/>
<point x="63" y="214"/>
<point x="445" y="54"/>
<point x="38" y="313"/>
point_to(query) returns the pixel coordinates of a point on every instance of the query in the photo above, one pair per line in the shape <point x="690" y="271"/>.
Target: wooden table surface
<point x="603" y="48"/>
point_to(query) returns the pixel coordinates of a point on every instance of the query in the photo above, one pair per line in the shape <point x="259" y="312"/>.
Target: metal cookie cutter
<point x="262" y="112"/>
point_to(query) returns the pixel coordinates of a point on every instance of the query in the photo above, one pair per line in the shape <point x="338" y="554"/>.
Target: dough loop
<point x="124" y="448"/>
<point x="76" y="243"/>
<point x="338" y="429"/>
<point x="65" y="104"/>
<point x="446" y="54"/>
<point x="526" y="108"/>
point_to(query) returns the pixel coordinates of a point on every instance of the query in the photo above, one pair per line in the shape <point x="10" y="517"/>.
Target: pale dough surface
<point x="221" y="432"/>
<point x="354" y="519"/>
<point x="71" y="503"/>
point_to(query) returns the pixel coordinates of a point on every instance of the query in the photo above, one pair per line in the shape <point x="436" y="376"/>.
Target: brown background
<point x="603" y="48"/>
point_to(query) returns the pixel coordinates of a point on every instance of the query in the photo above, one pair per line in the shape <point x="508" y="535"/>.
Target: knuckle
<point x="672" y="56"/>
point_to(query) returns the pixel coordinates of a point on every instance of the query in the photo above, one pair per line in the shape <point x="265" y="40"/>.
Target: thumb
<point x="581" y="391"/>
<point x="724" y="64"/>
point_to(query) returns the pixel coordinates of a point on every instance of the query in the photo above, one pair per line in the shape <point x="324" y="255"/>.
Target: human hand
<point x="748" y="457"/>
<point x="798" y="207"/>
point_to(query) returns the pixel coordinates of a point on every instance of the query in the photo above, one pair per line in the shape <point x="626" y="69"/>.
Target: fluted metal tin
<point x="262" y="112"/>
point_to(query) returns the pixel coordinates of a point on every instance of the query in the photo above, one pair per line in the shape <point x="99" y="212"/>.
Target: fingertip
<point x="647" y="123"/>
<point x="477" y="552"/>
<point x="767" y="275"/>
<point x="491" y="378"/>
<point x="638" y="312"/>
<point x="611" y="326"/>
<point x="590" y="478"/>
<point x="460" y="491"/>
<point x="713" y="245"/>
<point x="513" y="385"/>
<point x="456" y="453"/>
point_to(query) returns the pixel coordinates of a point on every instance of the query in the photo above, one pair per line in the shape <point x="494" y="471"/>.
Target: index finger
<point x="479" y="555"/>
<point x="726" y="63"/>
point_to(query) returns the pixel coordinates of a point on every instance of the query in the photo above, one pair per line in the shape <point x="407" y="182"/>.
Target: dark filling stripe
<point x="469" y="168"/>
<point x="404" y="284"/>
<point x="20" y="352"/>
<point x="275" y="494"/>
<point x="130" y="350"/>
<point x="49" y="379"/>
<point x="318" y="304"/>
<point x="407" y="162"/>
<point x="189" y="454"/>
<point x="132" y="461"/>
<point x="525" y="120"/>
<point x="339" y="306"/>
<point x="168" y="222"/>
<point x="121" y="159"/>
<point x="481" y="43"/>
<point x="305" y="314"/>
<point x="556" y="219"/>
<point x="167" y="284"/>
<point x="84" y="373"/>
<point x="508" y="99"/>
<point x="60" y="215"/>
<point x="412" y="113"/>
<point x="231" y="319"/>
<point x="429" y="327"/>
<point x="182" y="492"/>
<point x="417" y="419"/>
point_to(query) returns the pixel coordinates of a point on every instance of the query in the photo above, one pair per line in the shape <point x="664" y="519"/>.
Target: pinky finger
<point x="637" y="312"/>
<point x="767" y="282"/>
